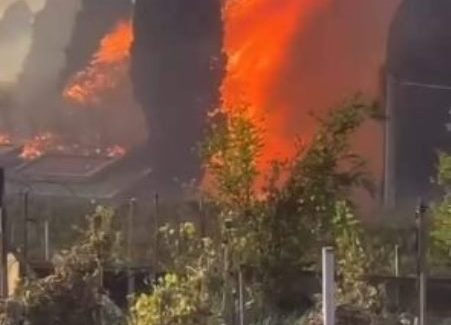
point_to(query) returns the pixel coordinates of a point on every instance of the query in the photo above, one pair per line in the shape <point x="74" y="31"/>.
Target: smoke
<point x="419" y="44"/>
<point x="117" y="118"/>
<point x="91" y="24"/>
<point x="34" y="5"/>
<point x="15" y="30"/>
<point x="63" y="38"/>
<point x="176" y="73"/>
<point x="37" y="92"/>
<point x="16" y="19"/>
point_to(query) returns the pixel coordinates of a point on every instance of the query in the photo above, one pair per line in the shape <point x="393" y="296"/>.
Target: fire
<point x="258" y="36"/>
<point x="5" y="139"/>
<point x="48" y="142"/>
<point x="104" y="72"/>
<point x="38" y="146"/>
<point x="115" y="151"/>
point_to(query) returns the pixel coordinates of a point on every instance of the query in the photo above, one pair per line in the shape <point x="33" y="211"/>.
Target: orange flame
<point x="47" y="142"/>
<point x="258" y="35"/>
<point x="37" y="146"/>
<point x="103" y="73"/>
<point x="5" y="139"/>
<point x="115" y="151"/>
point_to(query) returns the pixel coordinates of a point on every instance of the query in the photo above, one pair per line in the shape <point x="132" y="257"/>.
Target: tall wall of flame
<point x="176" y="70"/>
<point x="289" y="58"/>
<point x="284" y="58"/>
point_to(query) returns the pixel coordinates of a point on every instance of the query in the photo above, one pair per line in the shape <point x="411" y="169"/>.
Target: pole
<point x="422" y="263"/>
<point x="241" y="296"/>
<point x="397" y="271"/>
<point x="25" y="230"/>
<point x="328" y="286"/>
<point x="4" y="237"/>
<point x="397" y="274"/>
<point x="47" y="240"/>
<point x="156" y="230"/>
<point x="130" y="278"/>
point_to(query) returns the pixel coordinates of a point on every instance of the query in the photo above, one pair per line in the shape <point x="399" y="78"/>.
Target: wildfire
<point x="105" y="70"/>
<point x="37" y="146"/>
<point x="5" y="140"/>
<point x="115" y="151"/>
<point x="48" y="142"/>
<point x="258" y="38"/>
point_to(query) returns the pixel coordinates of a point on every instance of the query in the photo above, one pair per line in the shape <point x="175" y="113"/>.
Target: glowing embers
<point x="5" y="139"/>
<point x="49" y="143"/>
<point x="66" y="168"/>
<point x="37" y="146"/>
<point x="106" y="70"/>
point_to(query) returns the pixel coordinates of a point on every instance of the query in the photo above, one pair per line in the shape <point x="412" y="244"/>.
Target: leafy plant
<point x="353" y="263"/>
<point x="191" y="292"/>
<point x="231" y="154"/>
<point x="441" y="221"/>
<point x="73" y="294"/>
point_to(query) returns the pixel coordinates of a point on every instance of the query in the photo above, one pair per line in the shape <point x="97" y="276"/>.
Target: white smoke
<point x="13" y="50"/>
<point x="34" y="5"/>
<point x="32" y="58"/>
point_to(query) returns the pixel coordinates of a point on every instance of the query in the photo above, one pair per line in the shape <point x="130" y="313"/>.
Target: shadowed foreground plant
<point x="73" y="293"/>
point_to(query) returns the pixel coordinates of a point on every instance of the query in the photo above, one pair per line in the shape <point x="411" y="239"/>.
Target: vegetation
<point x="266" y="238"/>
<point x="73" y="294"/>
<point x="441" y="222"/>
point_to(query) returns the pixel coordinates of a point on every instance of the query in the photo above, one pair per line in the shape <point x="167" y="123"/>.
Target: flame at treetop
<point x="106" y="69"/>
<point x="258" y="38"/>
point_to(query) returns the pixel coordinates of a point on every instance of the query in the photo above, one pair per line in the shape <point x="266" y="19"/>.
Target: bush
<point x="73" y="294"/>
<point x="191" y="292"/>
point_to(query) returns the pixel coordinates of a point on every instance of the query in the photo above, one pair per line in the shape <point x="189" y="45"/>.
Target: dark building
<point x="176" y="71"/>
<point x="418" y="99"/>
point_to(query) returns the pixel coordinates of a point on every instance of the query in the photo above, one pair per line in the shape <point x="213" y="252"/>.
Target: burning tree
<point x="106" y="70"/>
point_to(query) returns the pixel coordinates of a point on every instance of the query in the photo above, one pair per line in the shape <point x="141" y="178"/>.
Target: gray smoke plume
<point x="37" y="92"/>
<point x="65" y="36"/>
<point x="15" y="38"/>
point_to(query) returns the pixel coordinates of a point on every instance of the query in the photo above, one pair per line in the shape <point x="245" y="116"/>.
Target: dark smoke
<point x="420" y="43"/>
<point x="97" y="18"/>
<point x="176" y="71"/>
<point x="65" y="36"/>
<point x="419" y="52"/>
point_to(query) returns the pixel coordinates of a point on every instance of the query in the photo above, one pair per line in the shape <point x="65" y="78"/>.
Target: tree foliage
<point x="279" y="233"/>
<point x="190" y="292"/>
<point x="441" y="213"/>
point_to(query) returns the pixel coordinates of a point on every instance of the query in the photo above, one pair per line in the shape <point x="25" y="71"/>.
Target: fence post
<point x="130" y="273"/>
<point x="47" y="240"/>
<point x="422" y="234"/>
<point x="4" y="238"/>
<point x="328" y="270"/>
<point x="241" y="296"/>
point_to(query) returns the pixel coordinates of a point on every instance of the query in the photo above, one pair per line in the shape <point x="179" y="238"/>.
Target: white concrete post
<point x="328" y="286"/>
